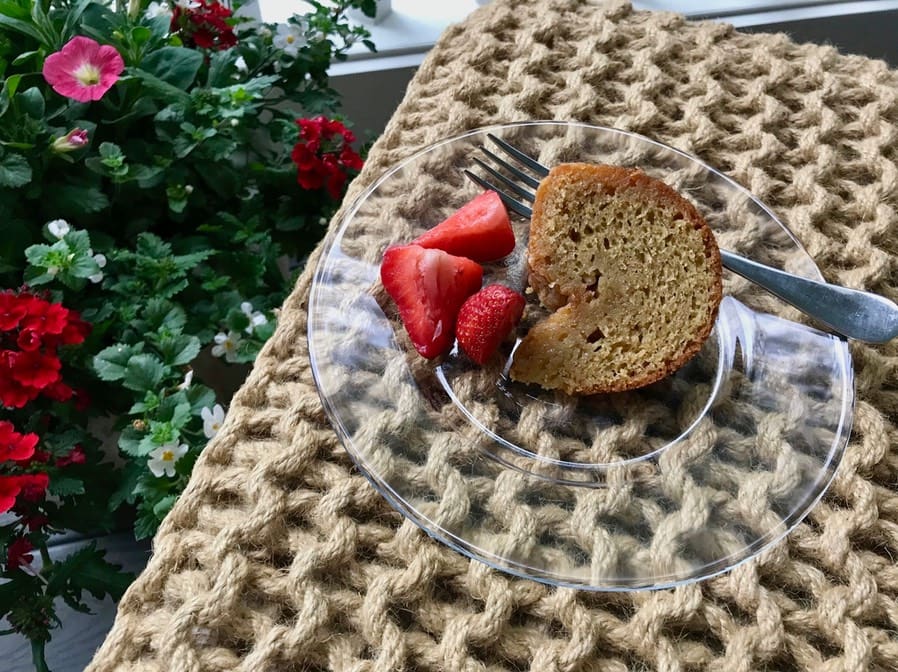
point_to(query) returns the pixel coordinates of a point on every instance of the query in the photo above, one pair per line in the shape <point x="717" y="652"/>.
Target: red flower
<point x="58" y="391"/>
<point x="82" y="400"/>
<point x="35" y="522"/>
<point x="9" y="490"/>
<point x="324" y="155"/>
<point x="36" y="369"/>
<point x="204" y="26"/>
<point x="351" y="159"/>
<point x="76" y="330"/>
<point x="76" y="456"/>
<point x="12" y="393"/>
<point x="15" y="446"/>
<point x="19" y="554"/>
<point x="28" y="340"/>
<point x="44" y="317"/>
<point x="39" y="457"/>
<point x="33" y="486"/>
<point x="11" y="311"/>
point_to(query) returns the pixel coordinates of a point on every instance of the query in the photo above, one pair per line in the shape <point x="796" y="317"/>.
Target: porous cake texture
<point x="632" y="271"/>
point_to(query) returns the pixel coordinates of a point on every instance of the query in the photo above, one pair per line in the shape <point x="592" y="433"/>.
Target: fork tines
<point x="513" y="183"/>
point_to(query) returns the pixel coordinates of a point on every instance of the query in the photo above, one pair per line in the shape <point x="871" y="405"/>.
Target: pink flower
<point x="83" y="69"/>
<point x="74" y="139"/>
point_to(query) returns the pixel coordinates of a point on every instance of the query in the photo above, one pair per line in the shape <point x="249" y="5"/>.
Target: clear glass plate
<point x="671" y="483"/>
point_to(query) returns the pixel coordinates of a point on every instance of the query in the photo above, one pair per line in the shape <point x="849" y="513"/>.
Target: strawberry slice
<point x="429" y="286"/>
<point x="486" y="319"/>
<point x="479" y="230"/>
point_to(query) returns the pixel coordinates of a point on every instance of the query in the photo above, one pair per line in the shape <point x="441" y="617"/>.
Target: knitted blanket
<point x="280" y="555"/>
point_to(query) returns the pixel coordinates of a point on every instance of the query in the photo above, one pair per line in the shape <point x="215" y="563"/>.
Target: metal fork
<point x="852" y="313"/>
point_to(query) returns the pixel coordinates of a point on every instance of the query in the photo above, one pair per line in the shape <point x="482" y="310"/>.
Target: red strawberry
<point x="479" y="230"/>
<point x="486" y="319"/>
<point x="429" y="286"/>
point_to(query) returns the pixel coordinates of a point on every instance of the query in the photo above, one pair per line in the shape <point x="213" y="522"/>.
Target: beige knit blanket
<point x="281" y="557"/>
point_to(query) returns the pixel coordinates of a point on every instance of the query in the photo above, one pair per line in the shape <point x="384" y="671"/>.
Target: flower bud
<point x="74" y="139"/>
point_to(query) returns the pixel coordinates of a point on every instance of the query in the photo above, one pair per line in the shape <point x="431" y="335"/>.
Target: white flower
<point x="163" y="459"/>
<point x="157" y="9"/>
<point x="256" y="318"/>
<point x="100" y="260"/>
<point x="52" y="271"/>
<point x="241" y="65"/>
<point x="188" y="378"/>
<point x="226" y="345"/>
<point x="187" y="4"/>
<point x="289" y="38"/>
<point x="212" y="420"/>
<point x="58" y="228"/>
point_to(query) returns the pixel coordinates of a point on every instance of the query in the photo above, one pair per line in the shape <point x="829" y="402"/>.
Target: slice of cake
<point x="633" y="273"/>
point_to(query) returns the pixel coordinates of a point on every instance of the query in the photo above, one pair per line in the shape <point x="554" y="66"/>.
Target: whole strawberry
<point x="486" y="319"/>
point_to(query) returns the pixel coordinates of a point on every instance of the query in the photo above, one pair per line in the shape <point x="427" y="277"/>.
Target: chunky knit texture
<point x="280" y="556"/>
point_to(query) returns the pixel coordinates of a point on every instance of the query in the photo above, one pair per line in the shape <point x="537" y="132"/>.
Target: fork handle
<point x="862" y="316"/>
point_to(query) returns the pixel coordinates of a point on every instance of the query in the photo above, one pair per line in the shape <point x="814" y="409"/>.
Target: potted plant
<point x="158" y="163"/>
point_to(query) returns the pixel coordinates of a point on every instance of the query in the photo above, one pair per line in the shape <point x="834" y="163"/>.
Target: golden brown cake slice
<point x="633" y="274"/>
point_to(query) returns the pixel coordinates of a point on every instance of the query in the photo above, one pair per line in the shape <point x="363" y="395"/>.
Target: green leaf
<point x="74" y="200"/>
<point x="111" y="363"/>
<point x="150" y="402"/>
<point x="160" y="26"/>
<point x="7" y="92"/>
<point x="20" y="26"/>
<point x="129" y="441"/>
<point x="130" y="474"/>
<point x="78" y="241"/>
<point x="31" y="102"/>
<point x="87" y="570"/>
<point x="200" y="397"/>
<point x="23" y="57"/>
<point x="72" y="16"/>
<point x="175" y="411"/>
<point x="63" y="486"/>
<point x="161" y="313"/>
<point x="160" y="434"/>
<point x="221" y="66"/>
<point x="164" y="505"/>
<point x="175" y="66"/>
<point x="150" y="245"/>
<point x="14" y="171"/>
<point x="179" y="349"/>
<point x="141" y="35"/>
<point x="159" y="88"/>
<point x="111" y="152"/>
<point x="237" y="320"/>
<point x="37" y="254"/>
<point x="143" y="373"/>
<point x="146" y="525"/>
<point x="265" y="331"/>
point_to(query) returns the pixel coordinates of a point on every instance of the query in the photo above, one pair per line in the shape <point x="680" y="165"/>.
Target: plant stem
<point x="45" y="556"/>
<point x="37" y="656"/>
